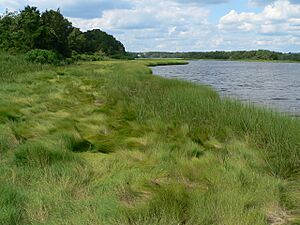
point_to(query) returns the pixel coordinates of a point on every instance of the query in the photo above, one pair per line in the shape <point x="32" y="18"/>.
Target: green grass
<point x="163" y="62"/>
<point x="109" y="143"/>
<point x="14" y="66"/>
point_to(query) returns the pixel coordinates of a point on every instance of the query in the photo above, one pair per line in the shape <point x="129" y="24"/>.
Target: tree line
<point x="224" y="55"/>
<point x="49" y="30"/>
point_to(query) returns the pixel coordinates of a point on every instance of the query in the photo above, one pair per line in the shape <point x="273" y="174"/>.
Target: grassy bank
<point x="162" y="62"/>
<point x="108" y="143"/>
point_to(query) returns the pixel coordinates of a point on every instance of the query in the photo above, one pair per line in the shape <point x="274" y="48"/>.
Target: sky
<point x="184" y="25"/>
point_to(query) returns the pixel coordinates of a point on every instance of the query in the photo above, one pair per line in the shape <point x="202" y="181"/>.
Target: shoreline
<point x="274" y="108"/>
<point x="247" y="60"/>
<point x="225" y="60"/>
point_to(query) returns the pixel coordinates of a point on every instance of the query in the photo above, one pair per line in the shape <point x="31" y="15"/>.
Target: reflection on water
<point x="276" y="85"/>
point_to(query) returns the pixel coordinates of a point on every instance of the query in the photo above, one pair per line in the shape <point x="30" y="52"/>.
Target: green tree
<point x="97" y="40"/>
<point x="29" y="29"/>
<point x="54" y="32"/>
<point x="77" y="40"/>
<point x="28" y="24"/>
<point x="8" y="28"/>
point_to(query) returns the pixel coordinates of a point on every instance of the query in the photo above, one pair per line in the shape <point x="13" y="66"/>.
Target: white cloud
<point x="155" y="25"/>
<point x="281" y="11"/>
<point x="281" y="18"/>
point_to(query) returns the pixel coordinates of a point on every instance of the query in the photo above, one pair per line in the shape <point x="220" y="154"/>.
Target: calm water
<point x="275" y="85"/>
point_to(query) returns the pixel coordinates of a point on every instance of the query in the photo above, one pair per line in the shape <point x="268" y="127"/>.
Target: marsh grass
<point x="109" y="143"/>
<point x="14" y="66"/>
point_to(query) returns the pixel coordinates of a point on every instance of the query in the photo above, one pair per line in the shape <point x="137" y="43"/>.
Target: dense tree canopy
<point x="98" y="40"/>
<point x="30" y="29"/>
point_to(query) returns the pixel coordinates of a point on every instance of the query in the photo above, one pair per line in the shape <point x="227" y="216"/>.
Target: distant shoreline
<point x="259" y="55"/>
<point x="229" y="60"/>
<point x="247" y="60"/>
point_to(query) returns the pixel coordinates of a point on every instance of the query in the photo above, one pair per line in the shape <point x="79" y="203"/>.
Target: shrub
<point x="42" y="56"/>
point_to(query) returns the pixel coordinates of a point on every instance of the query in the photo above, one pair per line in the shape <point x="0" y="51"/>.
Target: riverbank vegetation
<point x="109" y="143"/>
<point x="48" y="37"/>
<point x="258" y="55"/>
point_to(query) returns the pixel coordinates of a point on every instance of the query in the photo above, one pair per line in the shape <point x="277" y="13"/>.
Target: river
<point x="273" y="85"/>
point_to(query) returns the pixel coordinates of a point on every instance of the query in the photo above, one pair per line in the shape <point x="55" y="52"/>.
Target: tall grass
<point x="109" y="143"/>
<point x="14" y="66"/>
<point x="208" y="116"/>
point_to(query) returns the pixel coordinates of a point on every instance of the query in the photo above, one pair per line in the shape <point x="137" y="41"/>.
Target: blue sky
<point x="184" y="25"/>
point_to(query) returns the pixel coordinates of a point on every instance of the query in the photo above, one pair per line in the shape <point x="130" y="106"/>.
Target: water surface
<point x="275" y="85"/>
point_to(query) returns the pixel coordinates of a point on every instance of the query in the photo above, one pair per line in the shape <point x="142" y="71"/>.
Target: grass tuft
<point x="35" y="154"/>
<point x="12" y="205"/>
